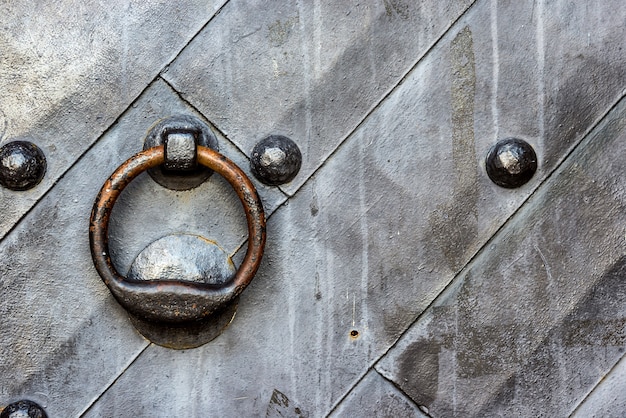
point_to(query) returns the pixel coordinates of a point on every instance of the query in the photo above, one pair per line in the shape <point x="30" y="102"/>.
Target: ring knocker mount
<point x="182" y="290"/>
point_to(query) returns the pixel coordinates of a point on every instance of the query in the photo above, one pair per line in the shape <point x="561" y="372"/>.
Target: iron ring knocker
<point x="168" y="300"/>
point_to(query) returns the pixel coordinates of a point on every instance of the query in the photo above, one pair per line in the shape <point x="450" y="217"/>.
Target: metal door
<point x="398" y="279"/>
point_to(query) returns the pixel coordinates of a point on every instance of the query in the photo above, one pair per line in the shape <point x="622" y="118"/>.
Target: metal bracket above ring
<point x="180" y="135"/>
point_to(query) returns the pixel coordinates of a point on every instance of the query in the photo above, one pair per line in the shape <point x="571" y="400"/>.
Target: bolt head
<point x="275" y="160"/>
<point x="22" y="165"/>
<point x="23" y="409"/>
<point x="511" y="162"/>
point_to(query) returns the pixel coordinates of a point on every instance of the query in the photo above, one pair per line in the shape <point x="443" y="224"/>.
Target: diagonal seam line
<point x="78" y="159"/>
<point x="361" y="378"/>
<point x="463" y="270"/>
<point x="110" y="127"/>
<point x="385" y="96"/>
<point x="213" y="16"/>
<point x="214" y="126"/>
<point x="593" y="389"/>
<point x="399" y="389"/>
<point x="84" y="153"/>
<point x="106" y="389"/>
<point x="342" y="142"/>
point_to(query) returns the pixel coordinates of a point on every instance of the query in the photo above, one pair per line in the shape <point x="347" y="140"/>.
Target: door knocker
<point x="170" y="304"/>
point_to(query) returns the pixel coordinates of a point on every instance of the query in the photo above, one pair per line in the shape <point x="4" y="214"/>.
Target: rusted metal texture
<point x="169" y="300"/>
<point x="398" y="279"/>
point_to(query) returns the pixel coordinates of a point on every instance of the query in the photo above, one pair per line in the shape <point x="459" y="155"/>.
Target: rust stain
<point x="454" y="224"/>
<point x="280" y="31"/>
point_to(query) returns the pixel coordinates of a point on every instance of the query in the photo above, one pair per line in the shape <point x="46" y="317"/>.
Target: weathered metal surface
<point x="68" y="69"/>
<point x="22" y="165"/>
<point x="308" y="70"/>
<point x="180" y="152"/>
<point x="379" y="230"/>
<point x="375" y="397"/>
<point x="365" y="245"/>
<point x="211" y="210"/>
<point x="67" y="340"/>
<point x="167" y="175"/>
<point x="608" y="399"/>
<point x="538" y="318"/>
<point x="184" y="257"/>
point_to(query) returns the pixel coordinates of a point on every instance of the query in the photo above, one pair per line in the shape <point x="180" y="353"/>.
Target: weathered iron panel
<point x="308" y="70"/>
<point x="65" y="338"/>
<point x="378" y="232"/>
<point x="608" y="399"/>
<point x="539" y="317"/>
<point x="376" y="397"/>
<point x="394" y="106"/>
<point x="69" y="68"/>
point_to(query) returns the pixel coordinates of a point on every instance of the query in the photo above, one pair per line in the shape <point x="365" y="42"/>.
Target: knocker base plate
<point x="190" y="335"/>
<point x="189" y="258"/>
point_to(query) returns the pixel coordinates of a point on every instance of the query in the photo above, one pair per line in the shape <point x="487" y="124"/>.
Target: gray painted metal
<point x="609" y="397"/>
<point x="394" y="106"/>
<point x="68" y="69"/>
<point x="531" y="325"/>
<point x="375" y="397"/>
<point x="308" y="70"/>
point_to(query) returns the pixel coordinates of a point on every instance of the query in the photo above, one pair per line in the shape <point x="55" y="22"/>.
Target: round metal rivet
<point x="23" y="409"/>
<point x="275" y="160"/>
<point x="511" y="162"/>
<point x="22" y="165"/>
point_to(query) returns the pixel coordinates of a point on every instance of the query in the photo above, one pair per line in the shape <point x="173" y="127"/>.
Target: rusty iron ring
<point x="168" y="300"/>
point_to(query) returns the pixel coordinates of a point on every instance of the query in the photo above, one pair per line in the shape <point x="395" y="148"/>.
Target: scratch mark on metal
<point x="514" y="261"/>
<point x="545" y="263"/>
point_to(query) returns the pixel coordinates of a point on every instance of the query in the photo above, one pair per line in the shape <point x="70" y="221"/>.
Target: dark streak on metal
<point x="167" y="300"/>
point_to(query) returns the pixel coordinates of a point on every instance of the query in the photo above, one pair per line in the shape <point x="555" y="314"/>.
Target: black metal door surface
<point x="398" y="279"/>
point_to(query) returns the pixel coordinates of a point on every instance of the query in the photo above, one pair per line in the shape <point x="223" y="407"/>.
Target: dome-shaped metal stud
<point x="275" y="160"/>
<point x="511" y="163"/>
<point x="22" y="165"/>
<point x="23" y="409"/>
